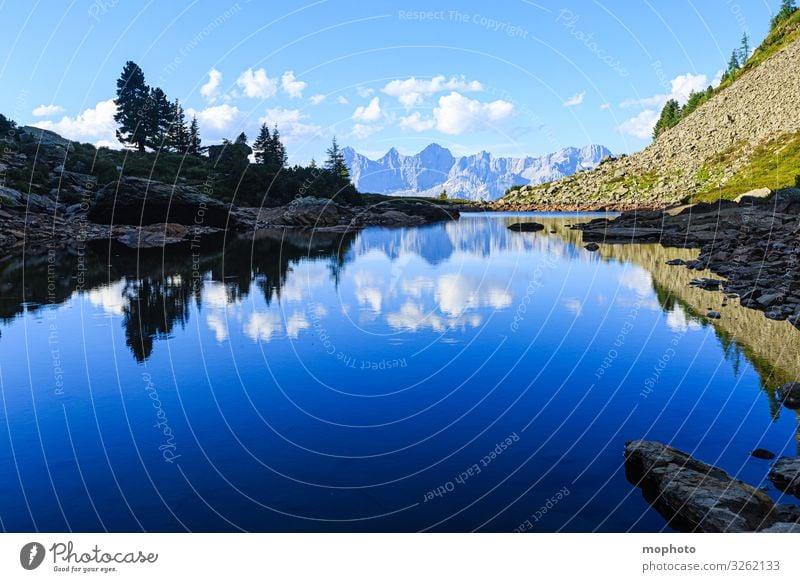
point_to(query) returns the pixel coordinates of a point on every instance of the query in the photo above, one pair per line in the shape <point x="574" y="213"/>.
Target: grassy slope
<point x="775" y="164"/>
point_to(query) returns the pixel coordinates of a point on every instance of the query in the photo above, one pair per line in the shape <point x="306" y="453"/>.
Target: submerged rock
<point x="789" y="395"/>
<point x="696" y="496"/>
<point x="763" y="454"/>
<point x="526" y="227"/>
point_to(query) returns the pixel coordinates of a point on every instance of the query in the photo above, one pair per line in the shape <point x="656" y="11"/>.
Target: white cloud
<point x="681" y="87"/>
<point x="256" y="84"/>
<point x="263" y="326"/>
<point x="317" y="99"/>
<point x="415" y="122"/>
<point x="364" y="92"/>
<point x="109" y="298"/>
<point x="367" y="113"/>
<point x="457" y="114"/>
<point x="220" y="117"/>
<point x="605" y="106"/>
<point x="291" y="86"/>
<point x="678" y="321"/>
<point x="93" y="125"/>
<point x="210" y="90"/>
<point x="295" y="324"/>
<point x="573" y="305"/>
<point x="363" y="131"/>
<point x="291" y="123"/>
<point x="342" y="100"/>
<point x="217" y="323"/>
<point x="411" y="91"/>
<point x="47" y="110"/>
<point x="640" y="126"/>
<point x="576" y="99"/>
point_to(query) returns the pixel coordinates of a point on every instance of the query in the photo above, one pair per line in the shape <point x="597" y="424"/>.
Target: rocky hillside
<point x="746" y="136"/>
<point x="480" y="176"/>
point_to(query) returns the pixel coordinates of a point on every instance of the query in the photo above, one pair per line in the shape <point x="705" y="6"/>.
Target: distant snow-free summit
<point x="481" y="176"/>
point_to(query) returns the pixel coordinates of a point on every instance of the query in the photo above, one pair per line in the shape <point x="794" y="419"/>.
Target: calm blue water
<point x="330" y="383"/>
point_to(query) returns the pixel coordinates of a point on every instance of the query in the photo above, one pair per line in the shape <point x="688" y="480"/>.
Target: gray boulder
<point x="785" y="475"/>
<point x="696" y="496"/>
<point x="138" y="201"/>
<point x="789" y="395"/>
<point x="526" y="227"/>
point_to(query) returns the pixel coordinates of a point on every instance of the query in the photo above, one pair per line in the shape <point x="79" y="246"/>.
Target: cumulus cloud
<point x="410" y="92"/>
<point x="219" y="118"/>
<point x="457" y="114"/>
<point x="367" y="113"/>
<point x="95" y="125"/>
<point x="681" y="87"/>
<point x="291" y="123"/>
<point x="256" y="84"/>
<point x="605" y="106"/>
<point x="364" y="92"/>
<point x="47" y="110"/>
<point x="415" y="122"/>
<point x="210" y="90"/>
<point x="576" y="99"/>
<point x="263" y="326"/>
<point x="342" y="100"/>
<point x="640" y="126"/>
<point x="363" y="130"/>
<point x="291" y="86"/>
<point x="317" y="99"/>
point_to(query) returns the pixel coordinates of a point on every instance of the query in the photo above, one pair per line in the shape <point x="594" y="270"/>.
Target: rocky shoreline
<point x="141" y="213"/>
<point x="694" y="496"/>
<point x="752" y="243"/>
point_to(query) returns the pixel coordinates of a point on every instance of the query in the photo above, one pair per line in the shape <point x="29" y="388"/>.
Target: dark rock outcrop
<point x="526" y="227"/>
<point x="789" y="395"/>
<point x="751" y="245"/>
<point x="785" y="475"/>
<point x="696" y="496"/>
<point x="138" y="201"/>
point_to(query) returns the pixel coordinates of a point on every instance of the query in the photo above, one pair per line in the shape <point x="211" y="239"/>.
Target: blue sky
<point x="512" y="77"/>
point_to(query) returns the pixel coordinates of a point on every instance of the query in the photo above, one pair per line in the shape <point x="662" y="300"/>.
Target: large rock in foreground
<point x="785" y="475"/>
<point x="698" y="497"/>
<point x="138" y="201"/>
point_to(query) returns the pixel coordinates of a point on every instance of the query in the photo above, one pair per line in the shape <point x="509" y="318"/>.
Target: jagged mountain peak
<point x="477" y="176"/>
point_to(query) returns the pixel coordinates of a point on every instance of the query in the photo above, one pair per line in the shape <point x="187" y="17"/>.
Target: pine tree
<point x="670" y="116"/>
<point x="261" y="145"/>
<point x="194" y="138"/>
<point x="336" y="164"/>
<point x="277" y="151"/>
<point x="131" y="102"/>
<point x="158" y="119"/>
<point x="744" y="49"/>
<point x="733" y="64"/>
<point x="241" y="139"/>
<point x="178" y="136"/>
<point x="787" y="8"/>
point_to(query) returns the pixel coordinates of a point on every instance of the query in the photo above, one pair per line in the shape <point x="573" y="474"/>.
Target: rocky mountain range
<point x="480" y="176"/>
<point x="745" y="137"/>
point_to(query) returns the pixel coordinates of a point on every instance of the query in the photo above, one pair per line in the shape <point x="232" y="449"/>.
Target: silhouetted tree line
<point x="244" y="174"/>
